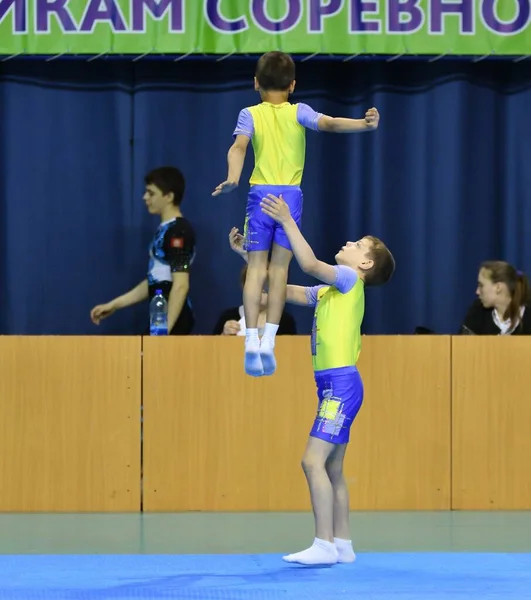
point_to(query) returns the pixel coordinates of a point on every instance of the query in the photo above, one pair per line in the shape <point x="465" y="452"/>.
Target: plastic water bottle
<point x="158" y="315"/>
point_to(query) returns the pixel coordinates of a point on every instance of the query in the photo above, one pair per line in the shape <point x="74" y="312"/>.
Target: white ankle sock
<point x="345" y="550"/>
<point x="320" y="552"/>
<point x="270" y="331"/>
<point x="267" y="346"/>
<point x="251" y="337"/>
<point x="253" y="362"/>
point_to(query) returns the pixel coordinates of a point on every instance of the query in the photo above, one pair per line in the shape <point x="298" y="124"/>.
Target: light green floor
<point x="198" y="533"/>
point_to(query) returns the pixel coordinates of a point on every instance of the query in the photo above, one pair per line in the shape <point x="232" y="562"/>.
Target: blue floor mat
<point x="374" y="576"/>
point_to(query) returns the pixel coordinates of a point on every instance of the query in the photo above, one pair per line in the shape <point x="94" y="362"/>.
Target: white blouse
<point x="505" y="326"/>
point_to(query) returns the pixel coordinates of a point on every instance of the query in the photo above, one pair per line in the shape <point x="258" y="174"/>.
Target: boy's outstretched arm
<point x="242" y="135"/>
<point x="343" y="125"/>
<point x="278" y="210"/>
<point x="235" y="160"/>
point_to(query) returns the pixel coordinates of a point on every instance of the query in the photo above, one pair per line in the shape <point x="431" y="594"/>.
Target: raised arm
<point x="342" y="277"/>
<point x="278" y="210"/>
<point x="344" y="125"/>
<point x="309" y="118"/>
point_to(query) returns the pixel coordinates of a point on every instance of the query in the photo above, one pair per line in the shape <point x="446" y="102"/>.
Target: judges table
<point x="445" y="424"/>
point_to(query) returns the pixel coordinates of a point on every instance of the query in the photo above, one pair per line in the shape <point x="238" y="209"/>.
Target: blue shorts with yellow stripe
<point x="340" y="394"/>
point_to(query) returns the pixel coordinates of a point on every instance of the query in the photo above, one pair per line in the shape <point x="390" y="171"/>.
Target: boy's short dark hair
<point x="384" y="263"/>
<point x="275" y="71"/>
<point x="168" y="180"/>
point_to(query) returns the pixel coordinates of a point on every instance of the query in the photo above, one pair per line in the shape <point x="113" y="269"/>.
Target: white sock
<point x="253" y="362"/>
<point x="270" y="331"/>
<point x="267" y="345"/>
<point x="345" y="550"/>
<point x="320" y="552"/>
<point x="251" y="337"/>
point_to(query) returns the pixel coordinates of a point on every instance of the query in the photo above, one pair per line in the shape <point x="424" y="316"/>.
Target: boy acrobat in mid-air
<point x="277" y="131"/>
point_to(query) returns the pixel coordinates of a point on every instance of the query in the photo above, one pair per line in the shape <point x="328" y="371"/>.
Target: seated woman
<point x="503" y="306"/>
<point x="232" y="320"/>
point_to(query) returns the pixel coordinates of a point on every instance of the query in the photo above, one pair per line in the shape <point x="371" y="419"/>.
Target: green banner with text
<point x="347" y="27"/>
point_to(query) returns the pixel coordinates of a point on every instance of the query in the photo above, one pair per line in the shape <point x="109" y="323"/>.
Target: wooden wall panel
<point x="491" y="423"/>
<point x="70" y="424"/>
<point x="215" y="439"/>
<point x="399" y="458"/>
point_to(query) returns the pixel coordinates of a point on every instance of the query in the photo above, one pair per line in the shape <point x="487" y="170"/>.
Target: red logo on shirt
<point x="177" y="242"/>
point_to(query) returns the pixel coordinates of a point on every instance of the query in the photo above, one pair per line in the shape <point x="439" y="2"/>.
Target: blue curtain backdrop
<point x="445" y="182"/>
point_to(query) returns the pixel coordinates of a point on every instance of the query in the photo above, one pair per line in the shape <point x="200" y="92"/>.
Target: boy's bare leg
<point x="342" y="537"/>
<point x="252" y="293"/>
<point x="323" y="550"/>
<point x="277" y="284"/>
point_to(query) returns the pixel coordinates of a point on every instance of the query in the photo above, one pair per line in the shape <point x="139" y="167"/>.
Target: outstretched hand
<point x="225" y="188"/>
<point x="102" y="311"/>
<point x="372" y="118"/>
<point x="276" y="208"/>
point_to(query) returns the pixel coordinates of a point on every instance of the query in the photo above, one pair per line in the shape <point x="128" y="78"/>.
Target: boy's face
<point x="155" y="200"/>
<point x="356" y="254"/>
